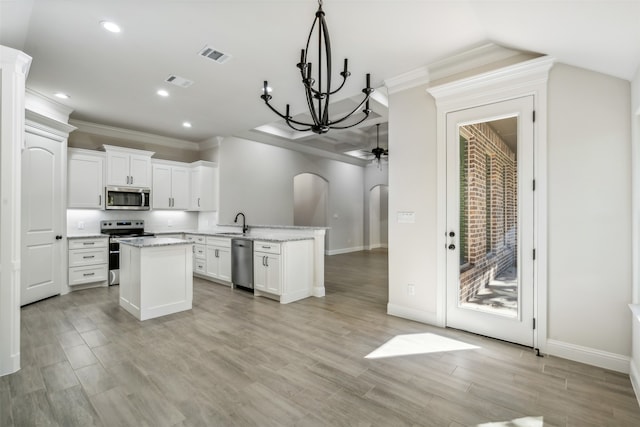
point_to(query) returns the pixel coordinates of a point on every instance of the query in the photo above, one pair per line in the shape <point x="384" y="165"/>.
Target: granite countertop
<point x="86" y="236"/>
<point x="146" y="242"/>
<point x="279" y="238"/>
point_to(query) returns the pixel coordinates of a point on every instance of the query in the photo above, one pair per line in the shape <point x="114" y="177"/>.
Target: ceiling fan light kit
<point x="317" y="97"/>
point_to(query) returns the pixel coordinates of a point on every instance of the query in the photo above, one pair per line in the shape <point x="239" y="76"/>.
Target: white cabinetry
<point x="88" y="260"/>
<point x="283" y="271"/>
<point x="128" y="167"/>
<point x="267" y="267"/>
<point x="204" y="186"/>
<point x="85" y="179"/>
<point x="218" y="259"/>
<point x="199" y="253"/>
<point x="170" y="186"/>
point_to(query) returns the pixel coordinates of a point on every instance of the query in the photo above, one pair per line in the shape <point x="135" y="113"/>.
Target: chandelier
<point x="318" y="96"/>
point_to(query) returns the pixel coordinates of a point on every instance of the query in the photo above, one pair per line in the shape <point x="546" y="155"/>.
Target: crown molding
<point x="133" y="135"/>
<point x="407" y="80"/>
<point x="39" y="103"/>
<point x="523" y="74"/>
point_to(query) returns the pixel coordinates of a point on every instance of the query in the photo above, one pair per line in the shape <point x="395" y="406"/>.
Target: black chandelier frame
<point x="317" y="99"/>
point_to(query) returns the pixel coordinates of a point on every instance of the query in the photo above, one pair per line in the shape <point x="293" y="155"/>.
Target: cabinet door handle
<point x="132" y="180"/>
<point x="100" y="199"/>
<point x="88" y="256"/>
<point x="88" y="243"/>
<point x="88" y="274"/>
<point x="198" y="201"/>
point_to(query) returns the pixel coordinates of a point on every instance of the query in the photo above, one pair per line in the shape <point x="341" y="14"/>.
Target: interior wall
<point x="589" y="208"/>
<point x="635" y="212"/>
<point x="374" y="217"/>
<point x="79" y="139"/>
<point x="374" y="175"/>
<point x="310" y="195"/>
<point x="257" y="179"/>
<point x="412" y="184"/>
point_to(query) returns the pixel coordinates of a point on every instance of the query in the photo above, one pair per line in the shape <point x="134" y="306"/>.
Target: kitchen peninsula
<point x="155" y="276"/>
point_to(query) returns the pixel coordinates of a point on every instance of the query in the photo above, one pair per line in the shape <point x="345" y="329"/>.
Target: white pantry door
<point x="42" y="222"/>
<point x="490" y="220"/>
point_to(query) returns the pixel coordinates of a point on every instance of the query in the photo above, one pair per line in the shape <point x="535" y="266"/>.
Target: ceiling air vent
<point x="215" y="55"/>
<point x="179" y="81"/>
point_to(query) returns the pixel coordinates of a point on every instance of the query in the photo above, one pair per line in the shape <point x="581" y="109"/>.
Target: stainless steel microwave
<point x="127" y="198"/>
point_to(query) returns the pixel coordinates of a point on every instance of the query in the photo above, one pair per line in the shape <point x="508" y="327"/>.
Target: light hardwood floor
<point x="236" y="360"/>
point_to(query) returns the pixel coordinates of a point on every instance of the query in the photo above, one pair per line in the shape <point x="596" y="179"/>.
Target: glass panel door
<point x="490" y="220"/>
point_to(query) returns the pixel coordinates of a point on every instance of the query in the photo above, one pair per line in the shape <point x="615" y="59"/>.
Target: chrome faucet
<point x="245" y="228"/>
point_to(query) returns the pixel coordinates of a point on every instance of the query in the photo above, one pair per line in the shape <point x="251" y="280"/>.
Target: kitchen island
<point x="155" y="276"/>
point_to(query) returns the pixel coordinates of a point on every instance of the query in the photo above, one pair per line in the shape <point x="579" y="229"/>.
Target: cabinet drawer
<point x="199" y="251"/>
<point x="79" y="257"/>
<point x="219" y="241"/>
<point x="87" y="243"/>
<point x="199" y="266"/>
<point x="196" y="238"/>
<point x="80" y="275"/>
<point x="268" y="247"/>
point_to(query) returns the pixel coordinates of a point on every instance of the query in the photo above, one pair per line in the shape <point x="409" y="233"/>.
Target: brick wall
<point x="490" y="220"/>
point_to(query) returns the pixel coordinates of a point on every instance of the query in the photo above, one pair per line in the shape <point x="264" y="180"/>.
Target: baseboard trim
<point x="412" y="314"/>
<point x="590" y="356"/>
<point x="634" y="375"/>
<point x="345" y="250"/>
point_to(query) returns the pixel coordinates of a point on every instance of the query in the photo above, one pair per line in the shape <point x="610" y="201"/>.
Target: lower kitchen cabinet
<point x="88" y="261"/>
<point x="283" y="271"/>
<point x="218" y="259"/>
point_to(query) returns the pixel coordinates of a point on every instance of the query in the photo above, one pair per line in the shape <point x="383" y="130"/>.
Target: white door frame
<point x="515" y="81"/>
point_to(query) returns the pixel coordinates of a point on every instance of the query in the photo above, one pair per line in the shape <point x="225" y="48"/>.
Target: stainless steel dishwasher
<point x="242" y="263"/>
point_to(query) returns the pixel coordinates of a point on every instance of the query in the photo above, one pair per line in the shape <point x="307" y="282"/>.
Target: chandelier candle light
<point x="317" y="98"/>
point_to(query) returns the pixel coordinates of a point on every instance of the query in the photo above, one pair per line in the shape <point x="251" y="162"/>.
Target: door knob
<point x="451" y="247"/>
<point x="452" y="234"/>
<point x="58" y="237"/>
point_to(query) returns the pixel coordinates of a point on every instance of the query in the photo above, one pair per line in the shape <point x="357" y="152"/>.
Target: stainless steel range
<point x="119" y="229"/>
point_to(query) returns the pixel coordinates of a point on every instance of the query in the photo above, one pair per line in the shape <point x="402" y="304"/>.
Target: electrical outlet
<point x="80" y="225"/>
<point x="411" y="289"/>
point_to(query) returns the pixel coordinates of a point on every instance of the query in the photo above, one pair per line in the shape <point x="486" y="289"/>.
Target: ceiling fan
<point x="376" y="154"/>
<point x="379" y="152"/>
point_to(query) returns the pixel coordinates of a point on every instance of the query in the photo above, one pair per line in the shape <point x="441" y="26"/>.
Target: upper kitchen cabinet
<point x="204" y="186"/>
<point x="170" y="185"/>
<point x="85" y="179"/>
<point x="127" y="167"/>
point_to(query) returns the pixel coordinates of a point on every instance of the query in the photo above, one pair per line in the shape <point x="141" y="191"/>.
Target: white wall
<point x="589" y="199"/>
<point x="257" y="179"/>
<point x="635" y="212"/>
<point x="589" y="180"/>
<point x="412" y="188"/>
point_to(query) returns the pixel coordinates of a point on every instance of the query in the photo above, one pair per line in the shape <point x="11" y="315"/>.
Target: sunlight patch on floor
<point x="519" y="422"/>
<point x="405" y="345"/>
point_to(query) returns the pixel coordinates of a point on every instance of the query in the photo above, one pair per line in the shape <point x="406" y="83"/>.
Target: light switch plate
<point x="406" y="217"/>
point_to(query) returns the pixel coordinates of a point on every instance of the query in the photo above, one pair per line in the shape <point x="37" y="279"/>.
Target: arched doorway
<point x="311" y="201"/>
<point x="378" y="216"/>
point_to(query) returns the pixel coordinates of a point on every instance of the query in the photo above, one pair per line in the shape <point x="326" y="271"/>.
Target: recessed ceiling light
<point x="61" y="95"/>
<point x="162" y="93"/>
<point x="110" y="26"/>
<point x="186" y="124"/>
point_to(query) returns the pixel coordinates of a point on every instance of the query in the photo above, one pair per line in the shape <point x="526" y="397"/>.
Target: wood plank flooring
<point x="236" y="360"/>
